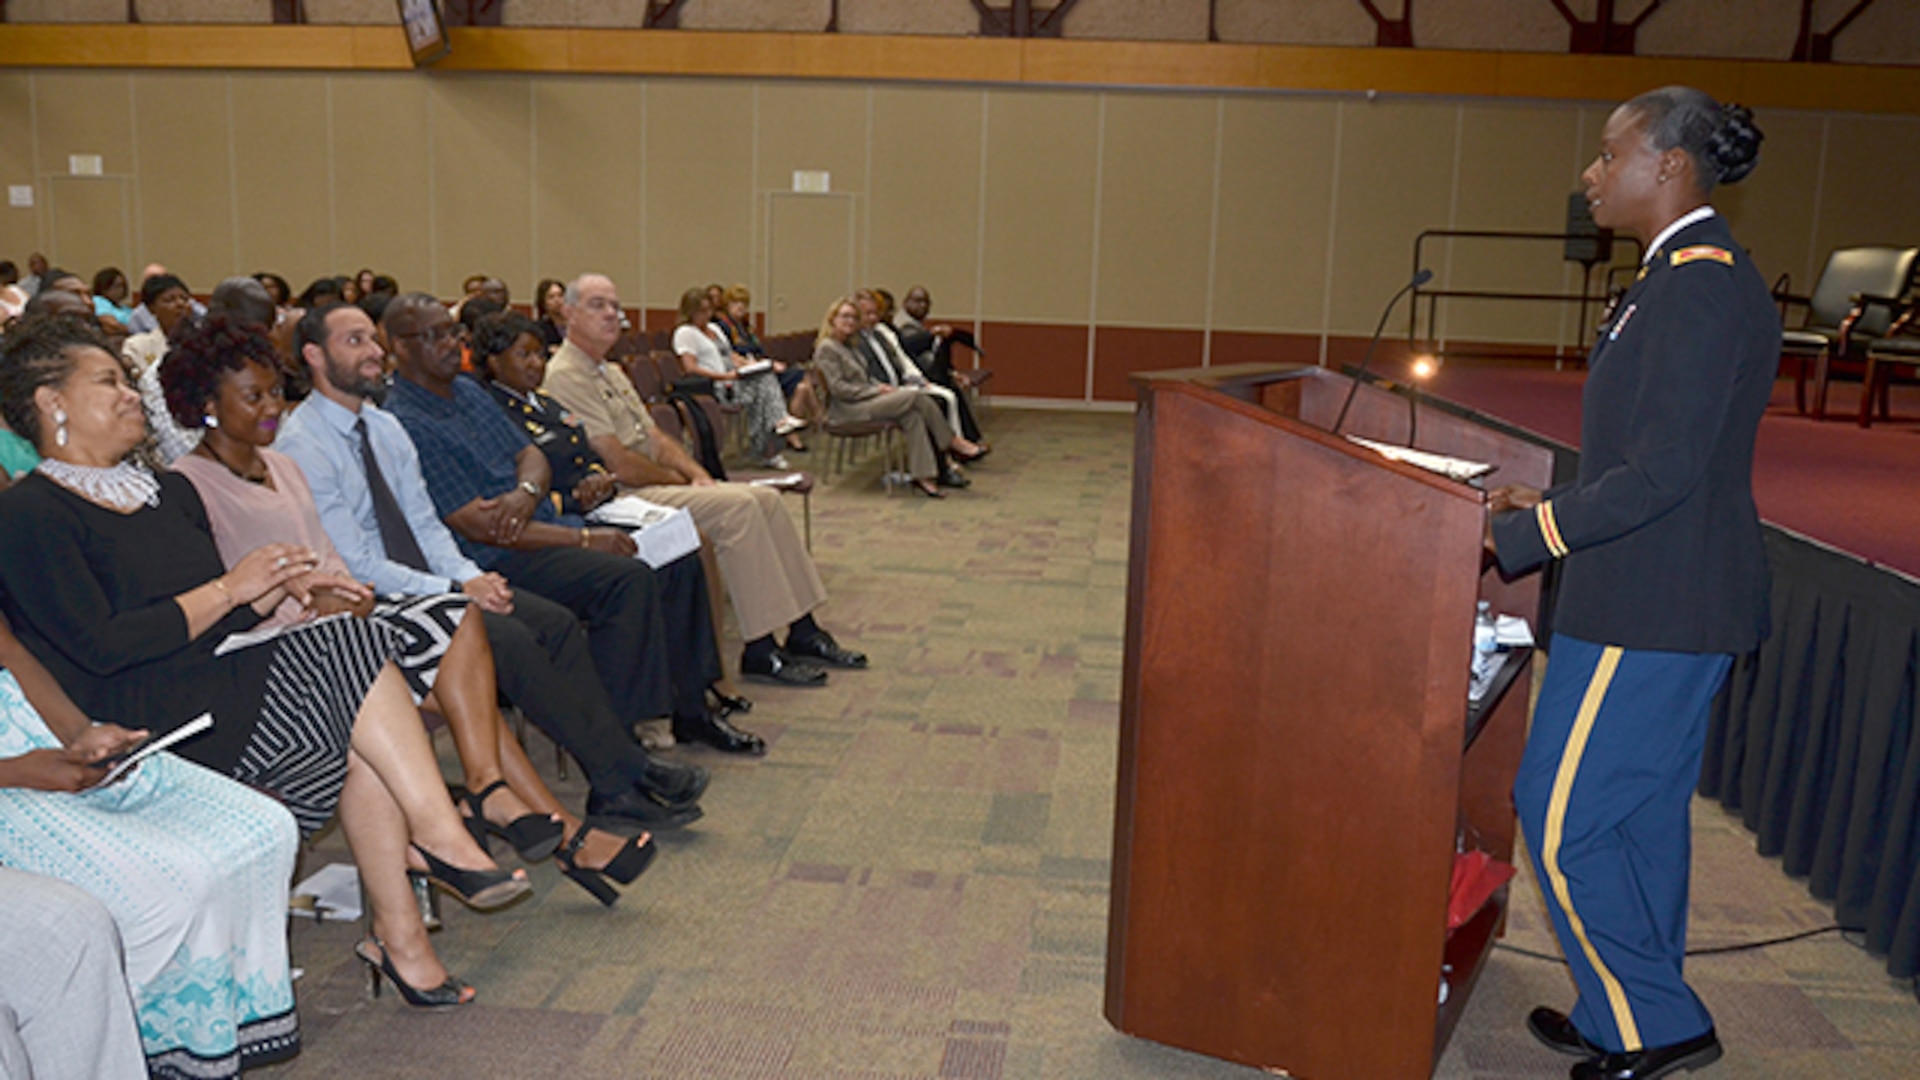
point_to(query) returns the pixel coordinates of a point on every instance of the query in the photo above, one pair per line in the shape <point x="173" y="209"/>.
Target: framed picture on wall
<point x="426" y="31"/>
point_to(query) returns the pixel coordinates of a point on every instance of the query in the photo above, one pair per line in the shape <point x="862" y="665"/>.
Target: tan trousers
<point x="768" y="572"/>
<point x="921" y="422"/>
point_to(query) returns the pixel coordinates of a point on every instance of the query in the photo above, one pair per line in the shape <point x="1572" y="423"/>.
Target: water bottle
<point x="1486" y="649"/>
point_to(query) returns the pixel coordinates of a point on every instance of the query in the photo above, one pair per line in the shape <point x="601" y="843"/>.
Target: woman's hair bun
<point x="1734" y="147"/>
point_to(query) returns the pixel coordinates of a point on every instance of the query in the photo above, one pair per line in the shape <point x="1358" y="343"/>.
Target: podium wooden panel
<point x="1294" y="744"/>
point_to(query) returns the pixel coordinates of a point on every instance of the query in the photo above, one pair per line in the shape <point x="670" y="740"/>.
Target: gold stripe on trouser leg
<point x="1556" y="821"/>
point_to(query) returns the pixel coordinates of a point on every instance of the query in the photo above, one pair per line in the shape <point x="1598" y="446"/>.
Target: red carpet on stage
<point x="1852" y="488"/>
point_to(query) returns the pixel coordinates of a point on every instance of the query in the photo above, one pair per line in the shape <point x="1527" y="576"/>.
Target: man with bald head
<point x="769" y="575"/>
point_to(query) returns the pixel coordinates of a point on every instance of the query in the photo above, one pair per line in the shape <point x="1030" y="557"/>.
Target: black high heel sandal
<point x="632" y="861"/>
<point x="481" y="890"/>
<point x="533" y="836"/>
<point x="450" y="994"/>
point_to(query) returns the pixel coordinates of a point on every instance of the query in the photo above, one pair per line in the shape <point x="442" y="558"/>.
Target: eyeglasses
<point x="434" y="335"/>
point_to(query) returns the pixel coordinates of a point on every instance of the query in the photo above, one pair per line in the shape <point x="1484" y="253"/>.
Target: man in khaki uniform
<point x="768" y="572"/>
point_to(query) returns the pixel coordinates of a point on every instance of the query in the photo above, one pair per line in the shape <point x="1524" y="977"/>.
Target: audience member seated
<point x="854" y="394"/>
<point x="322" y="291"/>
<point x="192" y="866"/>
<point x="364" y="476"/>
<point x="931" y="347"/>
<point x="887" y="362"/>
<point x="769" y="575"/>
<point x="143" y="319"/>
<point x="490" y="485"/>
<point x="736" y="320"/>
<point x="112" y="579"/>
<point x="226" y="376"/>
<point x="481" y="286"/>
<point x="547" y="300"/>
<point x="165" y="301"/>
<point x="241" y="298"/>
<point x="363" y="281"/>
<point x="277" y="289"/>
<point x="36" y="278"/>
<point x="110" y="292"/>
<point x="703" y="350"/>
<point x="64" y="1009"/>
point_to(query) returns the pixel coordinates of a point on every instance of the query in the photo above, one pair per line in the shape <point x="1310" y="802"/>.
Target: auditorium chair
<point x="1886" y="356"/>
<point x="845" y="436"/>
<point x="1852" y="305"/>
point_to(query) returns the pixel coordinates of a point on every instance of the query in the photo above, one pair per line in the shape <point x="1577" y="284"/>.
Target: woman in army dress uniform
<point x="1664" y="581"/>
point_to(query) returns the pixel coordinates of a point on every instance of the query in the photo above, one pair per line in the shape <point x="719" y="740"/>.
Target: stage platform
<point x="1853" y="488"/>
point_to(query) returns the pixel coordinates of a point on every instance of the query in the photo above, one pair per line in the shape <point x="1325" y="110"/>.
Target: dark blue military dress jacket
<point x="1658" y="532"/>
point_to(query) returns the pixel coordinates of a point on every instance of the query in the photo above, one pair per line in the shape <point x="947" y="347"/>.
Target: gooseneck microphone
<point x="1419" y="279"/>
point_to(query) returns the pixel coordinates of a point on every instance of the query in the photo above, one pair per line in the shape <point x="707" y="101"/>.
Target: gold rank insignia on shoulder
<point x="1702" y="251"/>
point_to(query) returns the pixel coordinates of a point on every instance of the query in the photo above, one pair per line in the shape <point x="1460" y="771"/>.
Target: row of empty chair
<point x="1859" y="321"/>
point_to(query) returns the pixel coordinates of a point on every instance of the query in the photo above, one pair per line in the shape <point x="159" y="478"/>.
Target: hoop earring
<point x="59" y="427"/>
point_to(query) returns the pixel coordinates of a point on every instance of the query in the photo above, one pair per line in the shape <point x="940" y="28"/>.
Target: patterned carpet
<point x="913" y="883"/>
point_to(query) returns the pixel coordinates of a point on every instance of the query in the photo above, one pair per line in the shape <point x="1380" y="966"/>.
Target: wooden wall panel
<point x="587" y="177"/>
<point x="284" y="178"/>
<point x="1036" y="359"/>
<point x="1042" y="150"/>
<point x="1119" y="351"/>
<point x="183" y="201"/>
<point x="1156" y="210"/>
<point x="482" y="197"/>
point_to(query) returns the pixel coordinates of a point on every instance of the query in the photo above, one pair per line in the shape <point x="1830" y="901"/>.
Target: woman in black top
<point x="112" y="578"/>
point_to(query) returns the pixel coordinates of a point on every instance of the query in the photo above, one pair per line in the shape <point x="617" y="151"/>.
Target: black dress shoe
<point x="953" y="478"/>
<point x="1556" y="1032"/>
<point x="783" y="671"/>
<point x="822" y="648"/>
<point x="1697" y="1052"/>
<point x="641" y="809"/>
<point x="719" y="734"/>
<point x="673" y="784"/>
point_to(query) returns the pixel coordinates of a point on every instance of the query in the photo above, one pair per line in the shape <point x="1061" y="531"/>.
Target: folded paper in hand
<point x="662" y="533"/>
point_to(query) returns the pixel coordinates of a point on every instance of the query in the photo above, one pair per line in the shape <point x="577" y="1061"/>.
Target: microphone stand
<point x="1419" y="279"/>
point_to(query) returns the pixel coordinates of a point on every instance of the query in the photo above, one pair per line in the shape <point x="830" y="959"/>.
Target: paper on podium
<point x="661" y="533"/>
<point x="1458" y="468"/>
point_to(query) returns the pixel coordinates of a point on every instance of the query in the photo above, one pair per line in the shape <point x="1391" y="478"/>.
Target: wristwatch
<point x="530" y="488"/>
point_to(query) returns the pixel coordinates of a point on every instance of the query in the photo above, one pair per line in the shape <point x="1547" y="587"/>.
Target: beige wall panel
<point x="352" y="13"/>
<point x="1745" y="29"/>
<point x="1379" y="209"/>
<point x="383" y="195"/>
<point x="908" y="17"/>
<point x="1769" y="210"/>
<point x="19" y="226"/>
<point x="1156" y="210"/>
<point x="1868" y="197"/>
<point x="925" y="195"/>
<point x="281" y="186"/>
<point x="90" y="223"/>
<point x="598" y="13"/>
<point x="84" y="112"/>
<point x="1276" y="189"/>
<point x="1886" y="33"/>
<point x="1304" y="22"/>
<point x="206" y="11"/>
<point x="1146" y="20"/>
<point x="1518" y="164"/>
<point x="67" y="11"/>
<point x="1041" y="156"/>
<point x="1504" y="25"/>
<point x="814" y="126"/>
<point x="700" y="195"/>
<point x="793" y="15"/>
<point x="184" y="198"/>
<point x="587" y="188"/>
<point x="482" y="181"/>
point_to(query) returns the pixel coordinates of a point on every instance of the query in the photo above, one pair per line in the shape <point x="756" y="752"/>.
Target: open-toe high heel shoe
<point x="633" y="860"/>
<point x="481" y="890"/>
<point x="968" y="459"/>
<point x="450" y="994"/>
<point x="533" y="836"/>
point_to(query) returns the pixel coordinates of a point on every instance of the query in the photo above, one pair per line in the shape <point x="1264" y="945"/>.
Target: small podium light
<point x="1424" y="366"/>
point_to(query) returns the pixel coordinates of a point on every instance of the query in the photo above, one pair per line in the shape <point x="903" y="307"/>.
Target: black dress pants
<point x="542" y="665"/>
<point x="650" y="632"/>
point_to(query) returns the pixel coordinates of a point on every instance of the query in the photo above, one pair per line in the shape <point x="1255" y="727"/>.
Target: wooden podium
<point x="1296" y="746"/>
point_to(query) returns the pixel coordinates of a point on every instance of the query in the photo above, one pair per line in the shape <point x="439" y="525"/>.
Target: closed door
<point x="90" y="224"/>
<point x="809" y="258"/>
